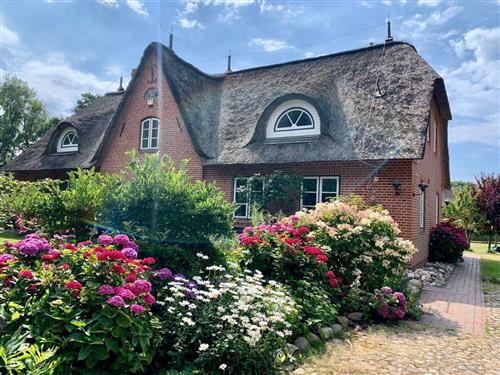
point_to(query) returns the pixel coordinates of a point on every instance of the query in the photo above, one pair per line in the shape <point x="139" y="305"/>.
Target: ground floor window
<point x="318" y="189"/>
<point x="243" y="197"/>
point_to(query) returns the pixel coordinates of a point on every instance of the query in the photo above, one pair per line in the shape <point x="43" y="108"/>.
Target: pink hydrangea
<point x="386" y="290"/>
<point x="105" y="289"/>
<point x="121" y="239"/>
<point x="33" y="244"/>
<point x="149" y="299"/>
<point x="116" y="301"/>
<point x="400" y="313"/>
<point x="126" y="293"/>
<point x="140" y="286"/>
<point x="137" y="309"/>
<point x="129" y="253"/>
<point x="104" y="240"/>
<point x="6" y="257"/>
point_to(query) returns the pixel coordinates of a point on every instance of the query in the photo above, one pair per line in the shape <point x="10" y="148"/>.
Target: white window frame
<point x="319" y="189"/>
<point x="68" y="148"/>
<point x="248" y="202"/>
<point x="282" y="109"/>
<point x="437" y="208"/>
<point x="421" y="210"/>
<point x="149" y="122"/>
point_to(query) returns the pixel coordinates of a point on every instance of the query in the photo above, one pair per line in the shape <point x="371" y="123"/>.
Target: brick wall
<point x="174" y="139"/>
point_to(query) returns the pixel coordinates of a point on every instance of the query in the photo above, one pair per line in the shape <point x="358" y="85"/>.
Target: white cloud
<point x="137" y="6"/>
<point x="429" y="3"/>
<point x="109" y="3"/>
<point x="269" y="45"/>
<point x="189" y="24"/>
<point x="7" y="36"/>
<point x="417" y="26"/>
<point x="474" y="88"/>
<point x="309" y="54"/>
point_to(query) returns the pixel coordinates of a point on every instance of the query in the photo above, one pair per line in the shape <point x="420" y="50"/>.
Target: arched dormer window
<point x="293" y="118"/>
<point x="68" y="140"/>
<point x="149" y="134"/>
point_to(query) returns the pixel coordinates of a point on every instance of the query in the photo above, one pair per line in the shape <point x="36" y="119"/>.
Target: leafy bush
<point x="161" y="202"/>
<point x="225" y="322"/>
<point x="447" y="242"/>
<point x="388" y="304"/>
<point x="364" y="247"/>
<point x="93" y="302"/>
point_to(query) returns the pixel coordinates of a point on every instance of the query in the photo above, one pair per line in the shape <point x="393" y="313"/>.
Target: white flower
<point x="203" y="347"/>
<point x="223" y="366"/>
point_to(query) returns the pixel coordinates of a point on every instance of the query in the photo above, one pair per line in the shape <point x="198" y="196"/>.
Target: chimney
<point x="120" y="88"/>
<point x="229" y="63"/>
<point x="389" y="36"/>
<point x="171" y="39"/>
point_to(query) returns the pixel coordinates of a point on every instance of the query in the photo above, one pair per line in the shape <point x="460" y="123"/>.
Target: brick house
<point x="371" y="121"/>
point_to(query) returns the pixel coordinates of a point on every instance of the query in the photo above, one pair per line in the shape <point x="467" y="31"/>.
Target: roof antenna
<point x="120" y="88"/>
<point x="229" y="62"/>
<point x="389" y="36"/>
<point x="171" y="39"/>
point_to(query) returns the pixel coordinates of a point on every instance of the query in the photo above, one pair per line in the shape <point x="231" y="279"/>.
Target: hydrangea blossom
<point x="121" y="239"/>
<point x="129" y="253"/>
<point x="140" y="286"/>
<point x="33" y="244"/>
<point x="137" y="309"/>
<point x="116" y="301"/>
<point x="104" y="240"/>
<point x="105" y="289"/>
<point x="164" y="274"/>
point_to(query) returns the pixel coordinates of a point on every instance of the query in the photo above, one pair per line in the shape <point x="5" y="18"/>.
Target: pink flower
<point x="294" y="218"/>
<point x="129" y="253"/>
<point x="26" y="274"/>
<point x="140" y="287"/>
<point x="399" y="313"/>
<point x="386" y="290"/>
<point x="104" y="240"/>
<point x="322" y="258"/>
<point x="105" y="289"/>
<point x="116" y="301"/>
<point x="121" y="239"/>
<point x="70" y="247"/>
<point x="126" y="293"/>
<point x="137" y="309"/>
<point x="73" y="284"/>
<point x="149" y="299"/>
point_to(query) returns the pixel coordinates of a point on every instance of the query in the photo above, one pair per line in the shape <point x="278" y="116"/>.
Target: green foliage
<point x="161" y="202"/>
<point x="23" y="118"/>
<point x="18" y="357"/>
<point x="85" y="99"/>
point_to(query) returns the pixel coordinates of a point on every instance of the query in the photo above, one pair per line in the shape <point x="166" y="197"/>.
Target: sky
<point x="64" y="48"/>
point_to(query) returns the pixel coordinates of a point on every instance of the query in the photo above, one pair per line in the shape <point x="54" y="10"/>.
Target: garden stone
<point x="337" y="329"/>
<point x="302" y="343"/>
<point x="355" y="316"/>
<point x="325" y="333"/>
<point x="291" y="349"/>
<point x="313" y="339"/>
<point x="416" y="283"/>
<point x="344" y="322"/>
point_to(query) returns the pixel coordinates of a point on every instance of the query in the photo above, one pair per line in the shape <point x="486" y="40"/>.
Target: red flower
<point x="131" y="277"/>
<point x="26" y="274"/>
<point x="32" y="287"/>
<point x="149" y="260"/>
<point x="303" y="230"/>
<point x="101" y="256"/>
<point x="86" y="254"/>
<point x="330" y="274"/>
<point x="8" y="281"/>
<point x="333" y="282"/>
<point x="65" y="266"/>
<point x="73" y="284"/>
<point x="118" y="268"/>
<point x="322" y="258"/>
<point x="70" y="247"/>
<point x="311" y="250"/>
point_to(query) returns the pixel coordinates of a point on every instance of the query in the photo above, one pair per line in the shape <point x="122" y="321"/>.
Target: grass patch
<point x="4" y="237"/>
<point x="490" y="262"/>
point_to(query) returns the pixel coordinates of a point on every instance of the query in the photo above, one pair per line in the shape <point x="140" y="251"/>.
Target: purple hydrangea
<point x="137" y="309"/>
<point x="384" y="310"/>
<point x="129" y="253"/>
<point x="179" y="277"/>
<point x="132" y="245"/>
<point x="105" y="289"/>
<point x="116" y="301"/>
<point x="400" y="313"/>
<point x="164" y="274"/>
<point x="33" y="244"/>
<point x="400" y="297"/>
<point x="121" y="239"/>
<point x="5" y="257"/>
<point x="105" y="240"/>
<point x="386" y="290"/>
<point x="126" y="293"/>
<point x="140" y="286"/>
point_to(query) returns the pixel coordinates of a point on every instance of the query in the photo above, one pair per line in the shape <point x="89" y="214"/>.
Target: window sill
<point x="297" y="139"/>
<point x="148" y="151"/>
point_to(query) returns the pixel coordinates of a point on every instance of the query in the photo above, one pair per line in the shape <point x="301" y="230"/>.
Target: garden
<point x="143" y="274"/>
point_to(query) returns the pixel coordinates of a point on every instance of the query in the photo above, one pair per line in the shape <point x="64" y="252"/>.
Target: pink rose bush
<point x="65" y="291"/>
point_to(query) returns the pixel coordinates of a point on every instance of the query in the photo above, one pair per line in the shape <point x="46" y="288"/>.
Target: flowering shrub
<point x="389" y="304"/>
<point x="447" y="242"/>
<point x="225" y="322"/>
<point x="91" y="301"/>
<point x="364" y="245"/>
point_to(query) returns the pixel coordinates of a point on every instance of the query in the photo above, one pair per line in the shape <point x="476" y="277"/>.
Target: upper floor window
<point x="293" y="118"/>
<point x="149" y="134"/>
<point x="68" y="141"/>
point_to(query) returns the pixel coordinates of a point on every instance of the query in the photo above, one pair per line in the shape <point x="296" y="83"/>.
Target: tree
<point x="86" y="99"/>
<point x="488" y="203"/>
<point x="23" y="118"/>
<point x="463" y="208"/>
<point x="456" y="186"/>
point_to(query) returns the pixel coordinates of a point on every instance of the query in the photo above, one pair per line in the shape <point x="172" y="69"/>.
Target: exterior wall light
<point x="422" y="186"/>
<point x="397" y="187"/>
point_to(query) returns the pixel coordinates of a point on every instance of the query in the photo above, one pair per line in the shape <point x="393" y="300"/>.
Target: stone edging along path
<point x="459" y="305"/>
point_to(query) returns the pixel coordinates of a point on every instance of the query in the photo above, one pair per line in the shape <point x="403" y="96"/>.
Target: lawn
<point x="490" y="262"/>
<point x="4" y="237"/>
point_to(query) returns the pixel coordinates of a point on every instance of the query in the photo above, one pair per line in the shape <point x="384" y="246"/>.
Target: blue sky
<point x="63" y="48"/>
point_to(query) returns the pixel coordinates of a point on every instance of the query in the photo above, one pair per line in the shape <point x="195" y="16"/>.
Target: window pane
<point x="145" y="132"/>
<point x="154" y="143"/>
<point x="241" y="211"/>
<point x="309" y="199"/>
<point x="304" y="120"/>
<point x="329" y="185"/>
<point x="241" y="183"/>
<point x="284" y="122"/>
<point x="144" y="143"/>
<point x="240" y="197"/>
<point x="294" y="115"/>
<point x="154" y="133"/>
<point x="310" y="184"/>
<point x="326" y="197"/>
<point x="155" y="124"/>
<point x="257" y="184"/>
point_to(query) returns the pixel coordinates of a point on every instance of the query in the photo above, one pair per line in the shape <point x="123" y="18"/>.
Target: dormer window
<point x="68" y="141"/>
<point x="293" y="118"/>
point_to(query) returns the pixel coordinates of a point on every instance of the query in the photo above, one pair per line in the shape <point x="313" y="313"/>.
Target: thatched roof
<point x="90" y="123"/>
<point x="374" y="104"/>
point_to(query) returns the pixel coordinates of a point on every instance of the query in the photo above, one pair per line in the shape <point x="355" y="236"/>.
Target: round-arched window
<point x="293" y="118"/>
<point x="68" y="141"/>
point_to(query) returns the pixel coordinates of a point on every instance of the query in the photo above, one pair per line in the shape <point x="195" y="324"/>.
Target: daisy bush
<point x="224" y="321"/>
<point x="90" y="300"/>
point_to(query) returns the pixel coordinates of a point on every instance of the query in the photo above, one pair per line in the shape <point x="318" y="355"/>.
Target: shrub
<point x="364" y="245"/>
<point x="447" y="242"/>
<point x="93" y="302"/>
<point x="161" y="202"/>
<point x="388" y="304"/>
<point x="225" y="322"/>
